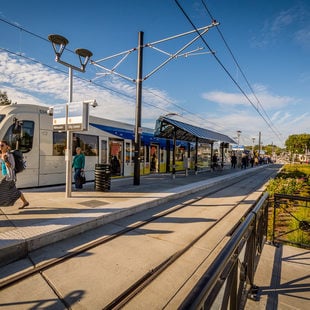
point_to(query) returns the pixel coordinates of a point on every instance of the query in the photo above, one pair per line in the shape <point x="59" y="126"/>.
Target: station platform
<point x="282" y="275"/>
<point x="51" y="217"/>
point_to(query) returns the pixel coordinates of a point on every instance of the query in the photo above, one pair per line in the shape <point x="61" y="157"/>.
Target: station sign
<point x="60" y="117"/>
<point x="78" y="116"/>
<point x="73" y="116"/>
<point x="236" y="147"/>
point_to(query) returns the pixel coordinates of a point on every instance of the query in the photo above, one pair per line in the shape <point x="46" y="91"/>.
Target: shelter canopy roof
<point x="166" y="128"/>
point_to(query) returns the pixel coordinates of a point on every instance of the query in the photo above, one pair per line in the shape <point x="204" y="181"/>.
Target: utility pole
<point x="138" y="129"/>
<point x="259" y="143"/>
<point x="138" y="81"/>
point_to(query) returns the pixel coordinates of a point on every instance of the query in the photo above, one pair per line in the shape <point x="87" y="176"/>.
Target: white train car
<point x="30" y="129"/>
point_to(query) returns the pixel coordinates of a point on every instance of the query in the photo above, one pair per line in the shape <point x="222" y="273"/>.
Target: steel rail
<point x="42" y="267"/>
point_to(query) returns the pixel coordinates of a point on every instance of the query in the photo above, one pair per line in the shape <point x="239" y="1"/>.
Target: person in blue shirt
<point x="78" y="165"/>
<point x="9" y="194"/>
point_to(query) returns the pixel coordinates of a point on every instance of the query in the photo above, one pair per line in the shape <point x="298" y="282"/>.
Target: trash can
<point x="102" y="177"/>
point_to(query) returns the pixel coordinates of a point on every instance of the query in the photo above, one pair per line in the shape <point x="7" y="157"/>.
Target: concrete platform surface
<point x="51" y="217"/>
<point x="283" y="278"/>
<point x="283" y="273"/>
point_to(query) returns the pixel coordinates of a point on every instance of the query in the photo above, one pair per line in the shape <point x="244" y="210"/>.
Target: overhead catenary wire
<point x="238" y="65"/>
<point x="105" y="87"/>
<point x="19" y="54"/>
<point x="227" y="72"/>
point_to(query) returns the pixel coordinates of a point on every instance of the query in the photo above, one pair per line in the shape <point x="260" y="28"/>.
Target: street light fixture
<point x="59" y="44"/>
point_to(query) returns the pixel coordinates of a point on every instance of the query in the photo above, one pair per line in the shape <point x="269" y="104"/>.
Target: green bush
<point x="292" y="180"/>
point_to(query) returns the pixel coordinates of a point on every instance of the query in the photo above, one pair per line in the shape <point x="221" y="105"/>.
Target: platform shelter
<point x="169" y="128"/>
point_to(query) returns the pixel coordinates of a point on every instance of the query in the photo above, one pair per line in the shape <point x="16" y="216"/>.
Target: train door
<point x="116" y="156"/>
<point x="144" y="159"/>
<point x="103" y="151"/>
<point x="162" y="160"/>
<point x="128" y="162"/>
<point x="155" y="158"/>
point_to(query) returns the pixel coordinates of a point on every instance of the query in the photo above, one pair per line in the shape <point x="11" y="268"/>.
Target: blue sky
<point x="268" y="40"/>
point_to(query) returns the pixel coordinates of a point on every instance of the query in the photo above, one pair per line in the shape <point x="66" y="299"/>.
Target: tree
<point x="4" y="100"/>
<point x="298" y="144"/>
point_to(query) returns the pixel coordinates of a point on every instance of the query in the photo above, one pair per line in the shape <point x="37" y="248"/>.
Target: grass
<point x="292" y="180"/>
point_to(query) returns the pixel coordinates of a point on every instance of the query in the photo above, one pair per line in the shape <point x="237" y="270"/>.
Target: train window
<point x="127" y="156"/>
<point x="2" y="116"/>
<point x="59" y="143"/>
<point x="88" y="144"/>
<point x="23" y="139"/>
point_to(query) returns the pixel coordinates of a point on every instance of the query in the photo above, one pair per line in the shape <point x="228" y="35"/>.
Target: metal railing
<point x="291" y="223"/>
<point x="229" y="280"/>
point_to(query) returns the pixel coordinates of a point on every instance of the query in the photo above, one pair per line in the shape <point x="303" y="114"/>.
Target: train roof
<point x="32" y="108"/>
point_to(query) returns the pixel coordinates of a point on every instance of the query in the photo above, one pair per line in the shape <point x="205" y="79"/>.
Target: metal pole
<point x="222" y="147"/>
<point x="196" y="156"/>
<point x="259" y="143"/>
<point x="173" y="155"/>
<point x="138" y="128"/>
<point x="69" y="145"/>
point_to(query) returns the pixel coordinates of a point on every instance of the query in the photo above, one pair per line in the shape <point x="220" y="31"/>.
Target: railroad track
<point x="211" y="219"/>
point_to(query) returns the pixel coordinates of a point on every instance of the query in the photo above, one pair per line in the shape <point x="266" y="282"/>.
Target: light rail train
<point x="30" y="129"/>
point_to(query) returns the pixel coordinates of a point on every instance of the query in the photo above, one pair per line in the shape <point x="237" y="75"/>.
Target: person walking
<point x="78" y="165"/>
<point x="214" y="161"/>
<point x="233" y="160"/>
<point x="244" y="160"/>
<point x="9" y="194"/>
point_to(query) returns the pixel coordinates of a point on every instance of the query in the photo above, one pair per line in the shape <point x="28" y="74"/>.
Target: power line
<point x="226" y="70"/>
<point x="100" y="85"/>
<point x="237" y="64"/>
<point x="96" y="84"/>
<point x="80" y="78"/>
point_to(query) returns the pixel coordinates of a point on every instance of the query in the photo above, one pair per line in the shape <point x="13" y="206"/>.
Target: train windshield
<point x="21" y="139"/>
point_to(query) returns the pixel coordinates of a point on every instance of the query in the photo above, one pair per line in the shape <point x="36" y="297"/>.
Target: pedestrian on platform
<point x="78" y="165"/>
<point x="233" y="160"/>
<point x="214" y="161"/>
<point x="9" y="194"/>
<point x="244" y="161"/>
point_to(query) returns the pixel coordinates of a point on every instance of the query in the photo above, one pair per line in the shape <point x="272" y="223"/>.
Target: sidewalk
<point x="283" y="279"/>
<point x="51" y="217"/>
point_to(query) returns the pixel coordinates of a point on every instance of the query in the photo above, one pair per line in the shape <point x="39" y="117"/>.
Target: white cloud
<point x="224" y="98"/>
<point x="266" y="99"/>
<point x="287" y="21"/>
<point x="32" y="83"/>
<point x="27" y="82"/>
<point x="279" y="123"/>
<point x="302" y="37"/>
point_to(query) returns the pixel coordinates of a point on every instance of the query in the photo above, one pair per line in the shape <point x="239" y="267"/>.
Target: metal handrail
<point x="249" y="236"/>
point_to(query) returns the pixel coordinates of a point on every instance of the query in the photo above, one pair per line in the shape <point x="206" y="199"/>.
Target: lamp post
<point x="138" y="81"/>
<point x="238" y="134"/>
<point x="59" y="43"/>
<point x="253" y="139"/>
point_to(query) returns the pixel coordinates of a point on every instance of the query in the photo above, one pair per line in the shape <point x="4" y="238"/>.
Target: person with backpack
<point x="9" y="194"/>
